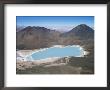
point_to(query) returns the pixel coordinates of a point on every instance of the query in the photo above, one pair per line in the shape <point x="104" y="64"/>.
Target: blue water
<point x="56" y="52"/>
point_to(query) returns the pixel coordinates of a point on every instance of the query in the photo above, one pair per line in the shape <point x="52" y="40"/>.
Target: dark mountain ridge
<point x="35" y="37"/>
<point x="82" y="31"/>
<point x="40" y="37"/>
<point x="82" y="28"/>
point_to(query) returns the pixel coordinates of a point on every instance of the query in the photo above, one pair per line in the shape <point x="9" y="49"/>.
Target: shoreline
<point x="25" y="53"/>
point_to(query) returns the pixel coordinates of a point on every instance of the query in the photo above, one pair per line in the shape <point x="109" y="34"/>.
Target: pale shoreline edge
<point x="84" y="52"/>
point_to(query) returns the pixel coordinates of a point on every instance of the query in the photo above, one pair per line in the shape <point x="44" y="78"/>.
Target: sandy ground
<point x="46" y="63"/>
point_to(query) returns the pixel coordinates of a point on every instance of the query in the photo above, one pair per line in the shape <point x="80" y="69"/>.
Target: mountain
<point x="82" y="28"/>
<point x="81" y="31"/>
<point x="41" y="37"/>
<point x="36" y="37"/>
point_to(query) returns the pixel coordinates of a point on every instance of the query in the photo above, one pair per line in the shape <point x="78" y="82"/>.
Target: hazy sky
<point x="55" y="22"/>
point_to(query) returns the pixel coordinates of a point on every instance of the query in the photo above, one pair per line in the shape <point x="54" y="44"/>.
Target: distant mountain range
<point x="40" y="37"/>
<point x="19" y="28"/>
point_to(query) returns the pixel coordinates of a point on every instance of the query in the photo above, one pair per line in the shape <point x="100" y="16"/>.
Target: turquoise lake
<point x="56" y="52"/>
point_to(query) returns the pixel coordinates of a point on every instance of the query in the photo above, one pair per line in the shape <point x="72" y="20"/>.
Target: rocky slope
<point x="81" y="31"/>
<point x="40" y="37"/>
<point x="36" y="37"/>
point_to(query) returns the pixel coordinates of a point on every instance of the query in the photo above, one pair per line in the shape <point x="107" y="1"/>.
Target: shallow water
<point x="56" y="52"/>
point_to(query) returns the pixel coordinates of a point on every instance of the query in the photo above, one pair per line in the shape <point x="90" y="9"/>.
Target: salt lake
<point x="57" y="51"/>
